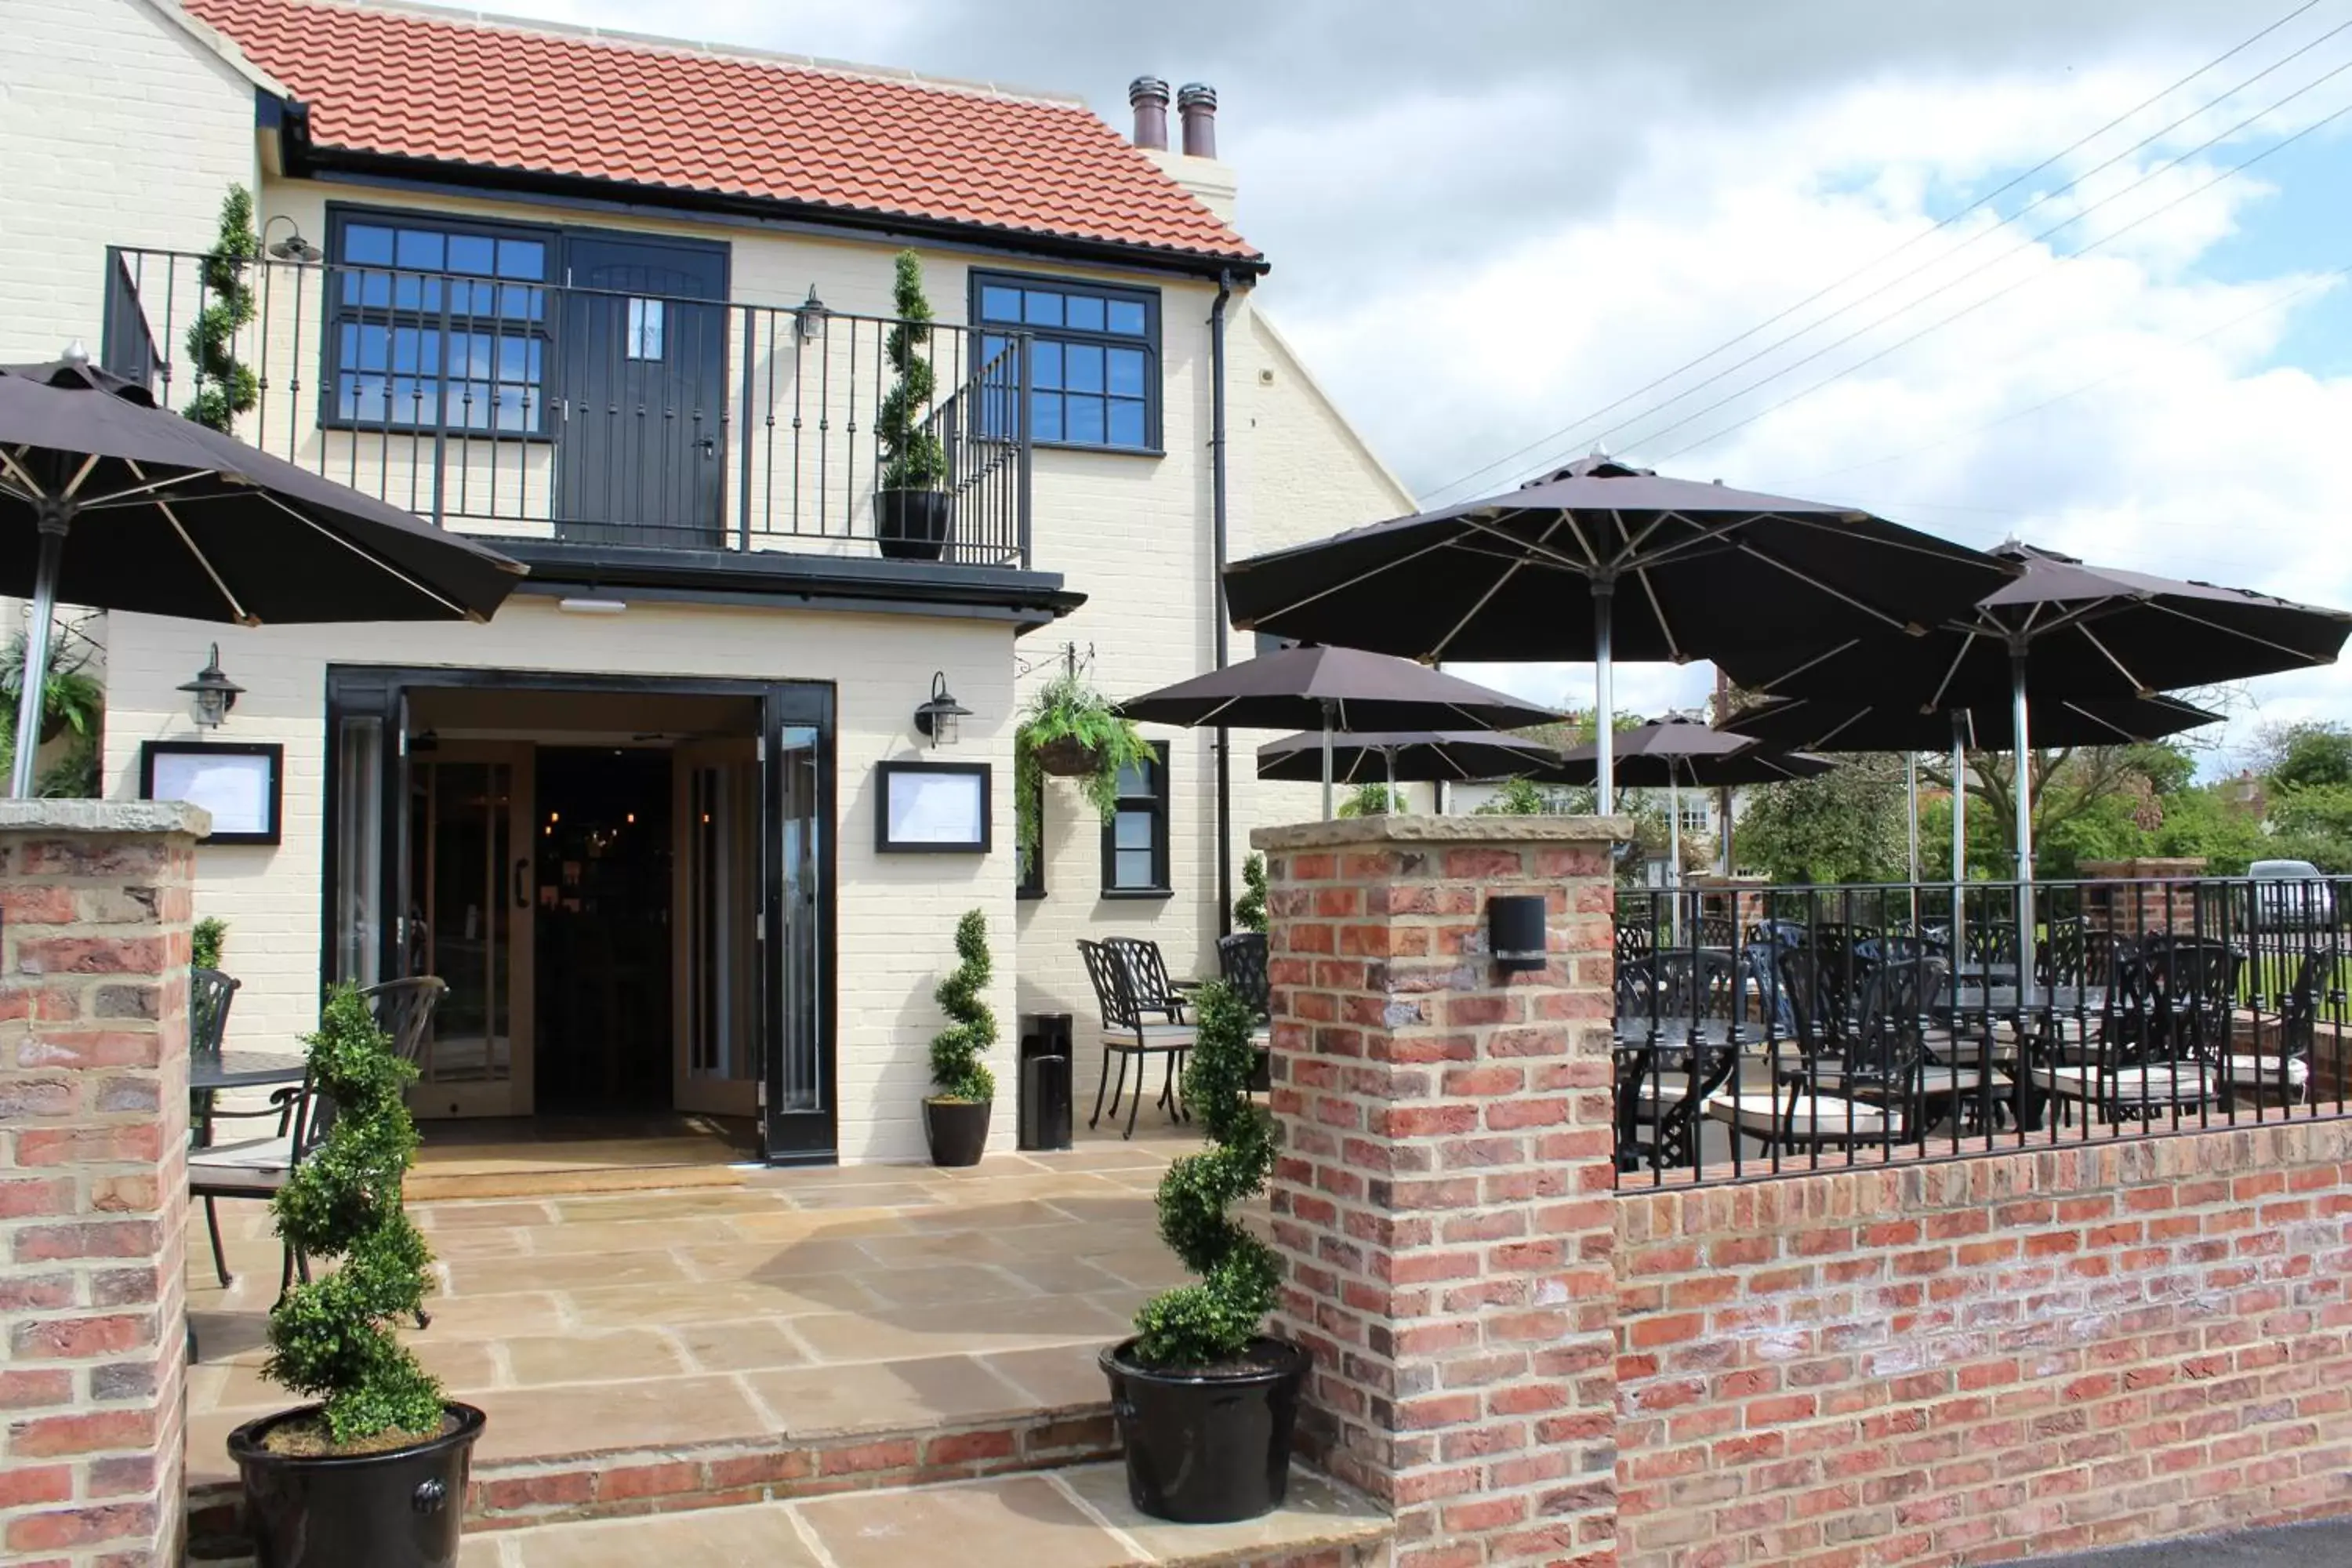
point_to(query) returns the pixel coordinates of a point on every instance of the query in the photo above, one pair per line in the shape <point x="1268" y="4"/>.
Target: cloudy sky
<point x="1494" y="223"/>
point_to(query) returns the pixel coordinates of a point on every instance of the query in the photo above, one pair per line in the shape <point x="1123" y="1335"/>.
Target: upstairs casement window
<point x="1094" y="371"/>
<point x="1135" y="840"/>
<point x="432" y="320"/>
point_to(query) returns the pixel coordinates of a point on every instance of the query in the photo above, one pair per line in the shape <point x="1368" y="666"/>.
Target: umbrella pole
<point x="1911" y="824"/>
<point x="53" y="525"/>
<point x="1395" y="807"/>
<point x="1605" y="716"/>
<point x="1959" y="834"/>
<point x="2024" y="792"/>
<point x="1327" y="762"/>
<point x="1675" y="845"/>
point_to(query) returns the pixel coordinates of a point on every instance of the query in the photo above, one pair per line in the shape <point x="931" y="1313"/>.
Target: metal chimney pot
<point x="1196" y="105"/>
<point x="1148" y="96"/>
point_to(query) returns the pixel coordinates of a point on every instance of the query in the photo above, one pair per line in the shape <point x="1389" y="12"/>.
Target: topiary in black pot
<point x="1205" y="1404"/>
<point x="372" y="1476"/>
<point x="956" y="1118"/>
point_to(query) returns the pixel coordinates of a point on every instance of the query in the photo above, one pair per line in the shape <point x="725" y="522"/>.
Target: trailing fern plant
<point x="331" y="1339"/>
<point x="959" y="1052"/>
<point x="1211" y="1322"/>
<point x="912" y="457"/>
<point x="1249" y="910"/>
<point x="1067" y="709"/>
<point x="225" y="388"/>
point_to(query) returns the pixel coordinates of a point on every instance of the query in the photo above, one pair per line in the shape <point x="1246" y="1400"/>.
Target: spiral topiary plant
<point x="1212" y="1322"/>
<point x="1249" y="910"/>
<point x="959" y="1071"/>
<point x="331" y="1339"/>
<point x="225" y="388"/>
<point x="912" y="457"/>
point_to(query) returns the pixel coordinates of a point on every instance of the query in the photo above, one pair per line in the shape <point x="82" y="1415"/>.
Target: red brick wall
<point x="93" y="1188"/>
<point x="1989" y="1358"/>
<point x="1443" y="1199"/>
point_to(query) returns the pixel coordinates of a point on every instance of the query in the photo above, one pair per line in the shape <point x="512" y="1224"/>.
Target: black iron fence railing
<point x="504" y="404"/>
<point x="1764" y="1030"/>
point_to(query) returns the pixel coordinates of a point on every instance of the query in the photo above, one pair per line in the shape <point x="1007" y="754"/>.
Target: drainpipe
<point x="1217" y="509"/>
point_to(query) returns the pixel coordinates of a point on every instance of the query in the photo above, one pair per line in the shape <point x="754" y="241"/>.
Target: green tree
<point x="2302" y="756"/>
<point x="1846" y="825"/>
<point x="1371" y="800"/>
<point x="1518" y="797"/>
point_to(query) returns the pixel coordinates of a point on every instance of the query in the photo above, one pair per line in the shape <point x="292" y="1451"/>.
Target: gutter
<point x="1217" y="509"/>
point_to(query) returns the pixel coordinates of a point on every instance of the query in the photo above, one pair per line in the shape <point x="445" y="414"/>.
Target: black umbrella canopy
<point x="1828" y="724"/>
<point x="1340" y="687"/>
<point x="1412" y="757"/>
<point x="2083" y="632"/>
<point x="167" y="517"/>
<point x="1694" y="569"/>
<point x="1669" y="752"/>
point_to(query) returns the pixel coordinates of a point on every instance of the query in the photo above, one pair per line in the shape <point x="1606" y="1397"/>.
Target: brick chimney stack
<point x="1148" y="96"/>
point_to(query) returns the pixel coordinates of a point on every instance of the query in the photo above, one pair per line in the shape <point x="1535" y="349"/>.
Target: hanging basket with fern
<point x="1071" y="731"/>
<point x="1067" y="757"/>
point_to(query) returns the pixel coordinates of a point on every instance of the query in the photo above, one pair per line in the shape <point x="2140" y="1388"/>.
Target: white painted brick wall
<point x="119" y="129"/>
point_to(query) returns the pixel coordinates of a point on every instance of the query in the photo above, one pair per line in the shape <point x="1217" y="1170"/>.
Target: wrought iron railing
<point x="1761" y="1031"/>
<point x="512" y="406"/>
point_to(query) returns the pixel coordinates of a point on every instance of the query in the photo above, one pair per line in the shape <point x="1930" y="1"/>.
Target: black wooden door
<point x="641" y="446"/>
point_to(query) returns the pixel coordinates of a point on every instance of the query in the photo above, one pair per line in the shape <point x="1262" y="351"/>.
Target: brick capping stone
<point x="1441" y="1202"/>
<point x="94" y="915"/>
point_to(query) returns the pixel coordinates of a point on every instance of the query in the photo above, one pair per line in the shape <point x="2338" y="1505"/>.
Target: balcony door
<point x="641" y="354"/>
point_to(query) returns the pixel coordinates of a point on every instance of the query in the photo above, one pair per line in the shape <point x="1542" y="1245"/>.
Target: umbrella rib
<point x="2294" y="653"/>
<point x="1438" y="651"/>
<point x="1650" y="592"/>
<point x="1952" y="670"/>
<point x="234" y="609"/>
<point x="136" y="492"/>
<point x="1702" y="533"/>
<point x="1325" y="592"/>
<point x="2102" y="722"/>
<point x="369" y="556"/>
<point x="24" y="474"/>
<point x="1534" y="551"/>
<point x="2138" y="686"/>
<point x="1818" y="658"/>
<point x="1811" y="582"/>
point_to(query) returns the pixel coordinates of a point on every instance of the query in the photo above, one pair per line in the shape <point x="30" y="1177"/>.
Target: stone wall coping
<point x="1386" y="829"/>
<point x="125" y="816"/>
<point x="2146" y="865"/>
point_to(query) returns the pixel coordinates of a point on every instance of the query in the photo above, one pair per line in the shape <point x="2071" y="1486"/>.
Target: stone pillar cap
<point x="1386" y="829"/>
<point x="125" y="816"/>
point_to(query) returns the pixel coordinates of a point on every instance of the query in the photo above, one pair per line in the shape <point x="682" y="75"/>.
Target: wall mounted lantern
<point x="212" y="693"/>
<point x="938" y="717"/>
<point x="809" y="319"/>
<point x="293" y="247"/>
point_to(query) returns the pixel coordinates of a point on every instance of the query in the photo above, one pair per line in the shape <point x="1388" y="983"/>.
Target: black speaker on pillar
<point x="1515" y="931"/>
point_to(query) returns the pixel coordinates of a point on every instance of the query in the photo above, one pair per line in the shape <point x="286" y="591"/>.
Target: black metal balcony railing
<point x="1768" y="1030"/>
<point x="509" y="406"/>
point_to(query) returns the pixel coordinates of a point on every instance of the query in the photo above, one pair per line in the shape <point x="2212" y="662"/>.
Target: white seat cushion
<point x="1156" y="1037"/>
<point x="1263" y="1037"/>
<point x="252" y="1164"/>
<point x="2165" y="1084"/>
<point x="1814" y="1116"/>
<point x="2267" y="1072"/>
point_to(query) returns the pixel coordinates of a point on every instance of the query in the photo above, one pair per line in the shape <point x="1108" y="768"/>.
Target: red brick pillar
<point x="2156" y="894"/>
<point x="94" y="900"/>
<point x="1443" y="1200"/>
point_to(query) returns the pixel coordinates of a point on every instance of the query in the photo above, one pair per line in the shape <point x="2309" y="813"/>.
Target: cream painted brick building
<point x="727" y="499"/>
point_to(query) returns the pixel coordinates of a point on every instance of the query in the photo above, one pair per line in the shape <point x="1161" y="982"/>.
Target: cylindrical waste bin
<point x="1046" y="1081"/>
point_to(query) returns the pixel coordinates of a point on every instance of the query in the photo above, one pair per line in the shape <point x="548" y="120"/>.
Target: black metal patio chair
<point x="1680" y="1029"/>
<point x="1137" y="1023"/>
<point x="1241" y="962"/>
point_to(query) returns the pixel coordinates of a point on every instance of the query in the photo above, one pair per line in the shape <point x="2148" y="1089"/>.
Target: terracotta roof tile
<point x="494" y="94"/>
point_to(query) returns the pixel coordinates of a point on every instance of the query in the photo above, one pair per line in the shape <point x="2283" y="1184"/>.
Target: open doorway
<point x="603" y="922"/>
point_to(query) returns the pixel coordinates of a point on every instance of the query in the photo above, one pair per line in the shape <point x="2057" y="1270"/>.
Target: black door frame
<point x="809" y="1137"/>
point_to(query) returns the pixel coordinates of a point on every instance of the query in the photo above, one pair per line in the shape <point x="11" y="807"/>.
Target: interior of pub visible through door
<point x="627" y="883"/>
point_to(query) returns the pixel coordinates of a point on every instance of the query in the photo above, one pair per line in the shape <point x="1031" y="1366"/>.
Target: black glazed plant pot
<point x="957" y="1129"/>
<point x="1207" y="1448"/>
<point x="912" y="525"/>
<point x="400" y="1508"/>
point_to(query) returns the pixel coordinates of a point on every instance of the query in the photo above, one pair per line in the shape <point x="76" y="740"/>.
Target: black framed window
<point x="1030" y="857"/>
<point x="1135" y="840"/>
<point x="431" y="318"/>
<point x="1094" y="373"/>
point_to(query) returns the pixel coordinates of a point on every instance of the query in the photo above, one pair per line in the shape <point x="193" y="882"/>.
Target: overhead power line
<point x="2235" y="169"/>
<point x="1874" y="264"/>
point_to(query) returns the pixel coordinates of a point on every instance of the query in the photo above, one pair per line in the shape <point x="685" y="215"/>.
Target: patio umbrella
<point x="2060" y="630"/>
<point x="1455" y="756"/>
<point x="109" y="501"/>
<point x="1675" y="750"/>
<point x="1336" y="688"/>
<point x="1830" y="724"/>
<point x="1535" y="574"/>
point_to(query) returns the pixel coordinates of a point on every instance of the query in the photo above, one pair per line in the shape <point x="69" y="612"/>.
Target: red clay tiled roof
<point x="508" y="96"/>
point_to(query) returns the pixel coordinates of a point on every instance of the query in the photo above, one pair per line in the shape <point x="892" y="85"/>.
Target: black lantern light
<point x="212" y="693"/>
<point x="936" y="718"/>
<point x="809" y="318"/>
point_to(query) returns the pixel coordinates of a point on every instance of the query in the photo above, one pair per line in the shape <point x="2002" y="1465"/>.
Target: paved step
<point x="1076" y="1517"/>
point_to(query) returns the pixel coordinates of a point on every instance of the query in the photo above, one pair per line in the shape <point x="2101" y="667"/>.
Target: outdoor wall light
<point x="809" y="320"/>
<point x="293" y="247"/>
<point x="938" y="717"/>
<point x="1515" y="931"/>
<point x="593" y="606"/>
<point x="212" y="693"/>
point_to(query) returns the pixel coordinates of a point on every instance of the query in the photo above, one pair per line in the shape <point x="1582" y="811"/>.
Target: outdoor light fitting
<point x="212" y="693"/>
<point x="809" y="319"/>
<point x="593" y="606"/>
<point x="936" y="718"/>
<point x="293" y="247"/>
